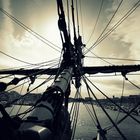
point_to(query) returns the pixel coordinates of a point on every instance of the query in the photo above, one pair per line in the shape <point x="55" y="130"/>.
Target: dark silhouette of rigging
<point x="49" y="117"/>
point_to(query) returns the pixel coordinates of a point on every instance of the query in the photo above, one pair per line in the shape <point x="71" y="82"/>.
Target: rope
<point x="108" y="22"/>
<point x="115" y="26"/>
<point x="122" y="119"/>
<point x="98" y="123"/>
<point x="123" y="85"/>
<point x="89" y="111"/>
<point x="121" y="134"/>
<point x="12" y="102"/>
<point x="15" y="81"/>
<point x="77" y="13"/>
<point x="35" y="34"/>
<point x="112" y="58"/>
<point x="7" y="76"/>
<point x="99" y="57"/>
<point x="47" y="63"/>
<point x="73" y="19"/>
<point x="75" y="116"/>
<point x="30" y="109"/>
<point x="114" y="102"/>
<point x="68" y="15"/>
<point x="100" y="9"/>
<point x="19" y="60"/>
<point x="81" y="19"/>
<point x="22" y="100"/>
<point x="107" y="75"/>
<point x="133" y="84"/>
<point x="87" y="108"/>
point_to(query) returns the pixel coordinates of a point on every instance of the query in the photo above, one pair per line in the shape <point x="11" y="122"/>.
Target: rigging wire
<point x="113" y="101"/>
<point x="29" y="75"/>
<point x="24" y="113"/>
<point x="89" y="111"/>
<point x="115" y="26"/>
<point x="59" y="65"/>
<point x="77" y="14"/>
<point x="68" y="16"/>
<point x="106" y="75"/>
<point x="113" y="58"/>
<point x="108" y="24"/>
<point x="35" y="73"/>
<point x="53" y="64"/>
<point x="97" y="120"/>
<point x="33" y="106"/>
<point x="7" y="76"/>
<point x="75" y="115"/>
<point x="29" y="64"/>
<point x="127" y="115"/>
<point x="86" y="106"/>
<point x="99" y="13"/>
<point x="121" y="134"/>
<point x="71" y="110"/>
<point x="35" y="34"/>
<point x="133" y="83"/>
<point x="74" y="111"/>
<point x="22" y="100"/>
<point x="44" y="82"/>
<point x="110" y="20"/>
<point x="73" y="107"/>
<point x="17" y="86"/>
<point x="20" y="105"/>
<point x="15" y="58"/>
<point x="100" y="57"/>
<point x="73" y="19"/>
<point x="81" y="15"/>
<point x="47" y="63"/>
<point x="121" y="101"/>
<point x="116" y="120"/>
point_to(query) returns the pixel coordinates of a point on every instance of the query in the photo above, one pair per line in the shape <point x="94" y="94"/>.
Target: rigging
<point x="93" y="31"/>
<point x="136" y="5"/>
<point x="35" y="34"/>
<point x="54" y="101"/>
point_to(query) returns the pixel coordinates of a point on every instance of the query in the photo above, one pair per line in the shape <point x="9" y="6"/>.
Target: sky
<point x="41" y="16"/>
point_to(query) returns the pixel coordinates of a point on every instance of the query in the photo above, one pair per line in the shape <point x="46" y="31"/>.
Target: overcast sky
<point x="41" y="16"/>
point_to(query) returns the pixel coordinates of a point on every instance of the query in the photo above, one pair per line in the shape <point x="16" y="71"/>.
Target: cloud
<point x="114" y="45"/>
<point x="1" y="15"/>
<point x="128" y="32"/>
<point x="122" y="43"/>
<point x="31" y="13"/>
<point x="17" y="42"/>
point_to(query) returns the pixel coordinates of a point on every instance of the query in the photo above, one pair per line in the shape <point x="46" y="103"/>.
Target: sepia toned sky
<point x="41" y="16"/>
